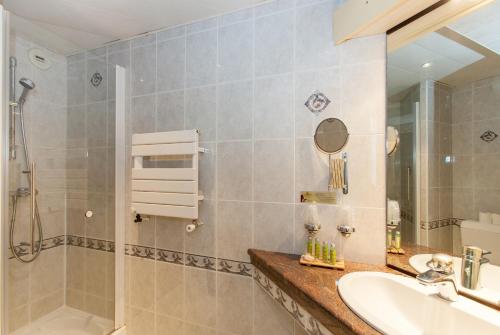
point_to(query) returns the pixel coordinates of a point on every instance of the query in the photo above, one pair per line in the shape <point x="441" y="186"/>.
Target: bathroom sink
<point x="394" y="304"/>
<point x="489" y="279"/>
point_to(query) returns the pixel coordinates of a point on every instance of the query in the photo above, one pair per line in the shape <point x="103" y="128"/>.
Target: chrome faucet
<point x="472" y="259"/>
<point x="441" y="274"/>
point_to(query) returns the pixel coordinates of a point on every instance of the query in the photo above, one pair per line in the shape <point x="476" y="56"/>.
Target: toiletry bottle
<point x="317" y="249"/>
<point x="325" y="252"/>
<point x="389" y="239"/>
<point x="397" y="242"/>
<point x="333" y="254"/>
<point x="310" y="246"/>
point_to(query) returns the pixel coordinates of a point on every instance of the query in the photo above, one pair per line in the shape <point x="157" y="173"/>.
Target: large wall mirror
<point x="443" y="179"/>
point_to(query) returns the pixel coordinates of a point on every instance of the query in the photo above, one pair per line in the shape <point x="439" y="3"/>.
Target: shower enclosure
<point x="63" y="129"/>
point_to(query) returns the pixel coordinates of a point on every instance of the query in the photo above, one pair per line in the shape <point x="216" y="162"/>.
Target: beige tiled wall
<point x="242" y="79"/>
<point x="38" y="288"/>
<point x="90" y="177"/>
<point x="476" y="186"/>
<point x="436" y="166"/>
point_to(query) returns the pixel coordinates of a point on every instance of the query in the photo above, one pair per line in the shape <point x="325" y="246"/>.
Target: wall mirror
<point x="331" y="136"/>
<point x="443" y="181"/>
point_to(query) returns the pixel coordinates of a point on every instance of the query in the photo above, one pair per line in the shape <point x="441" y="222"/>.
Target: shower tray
<point x="68" y="321"/>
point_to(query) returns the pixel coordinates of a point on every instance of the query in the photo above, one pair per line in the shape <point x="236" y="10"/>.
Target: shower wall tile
<point x="201" y="112"/>
<point x="202" y="240"/>
<point x="461" y="104"/>
<point x="486" y="99"/>
<point x="234" y="230"/>
<point x="235" y="17"/>
<point x="273" y="171"/>
<point x="76" y="127"/>
<point x="479" y="128"/>
<point x="143" y="40"/>
<point x="315" y="45"/>
<point x="273" y="107"/>
<point x="96" y="131"/>
<point x="143" y="114"/>
<point x="235" y="52"/>
<point x="328" y="82"/>
<point x="170" y="285"/>
<point x="167" y="34"/>
<point x="97" y="80"/>
<point x="170" y="111"/>
<point x="200" y="296"/>
<point x="273" y="227"/>
<point x="273" y="7"/>
<point x="269" y="317"/>
<point x="143" y="70"/>
<point x="233" y="316"/>
<point x="234" y="171"/>
<point x="202" y="25"/>
<point x="234" y="111"/>
<point x="171" y="55"/>
<point x="201" y="58"/>
<point x="142" y="276"/>
<point x="274" y="44"/>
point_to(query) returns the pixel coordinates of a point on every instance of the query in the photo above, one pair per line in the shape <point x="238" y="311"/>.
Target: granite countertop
<point x="315" y="289"/>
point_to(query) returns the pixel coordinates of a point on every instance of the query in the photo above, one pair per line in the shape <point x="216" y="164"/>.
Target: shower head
<point x="28" y="85"/>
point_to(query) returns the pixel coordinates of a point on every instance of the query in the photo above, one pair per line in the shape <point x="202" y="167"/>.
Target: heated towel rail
<point x="171" y="192"/>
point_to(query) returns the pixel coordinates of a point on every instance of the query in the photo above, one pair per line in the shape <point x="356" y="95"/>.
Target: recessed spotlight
<point x="426" y="65"/>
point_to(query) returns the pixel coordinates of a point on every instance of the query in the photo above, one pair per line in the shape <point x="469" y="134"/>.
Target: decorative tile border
<point x="90" y="243"/>
<point x="161" y="255"/>
<point x="22" y="249"/>
<point x="199" y="261"/>
<point x="170" y="256"/>
<point x="440" y="223"/>
<point x="235" y="267"/>
<point x="306" y="320"/>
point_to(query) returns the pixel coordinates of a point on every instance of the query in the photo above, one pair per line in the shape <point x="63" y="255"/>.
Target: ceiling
<point x="464" y="51"/>
<point x="482" y="26"/>
<point x="444" y="56"/>
<point x="83" y="24"/>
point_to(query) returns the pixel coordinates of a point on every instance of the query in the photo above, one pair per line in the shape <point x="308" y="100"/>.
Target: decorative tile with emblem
<point x="96" y="79"/>
<point x="489" y="136"/>
<point x="317" y="102"/>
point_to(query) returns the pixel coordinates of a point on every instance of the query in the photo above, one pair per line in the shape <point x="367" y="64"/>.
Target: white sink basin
<point x="394" y="304"/>
<point x="489" y="278"/>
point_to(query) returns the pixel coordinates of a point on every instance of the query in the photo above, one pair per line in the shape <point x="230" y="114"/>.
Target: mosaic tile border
<point x="306" y="320"/>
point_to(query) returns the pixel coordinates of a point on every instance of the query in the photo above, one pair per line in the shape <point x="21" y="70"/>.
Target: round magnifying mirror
<point x="331" y="135"/>
<point x="392" y="141"/>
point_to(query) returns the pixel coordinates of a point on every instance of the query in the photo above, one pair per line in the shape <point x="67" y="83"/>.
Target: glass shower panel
<point x="66" y="107"/>
<point x="402" y="166"/>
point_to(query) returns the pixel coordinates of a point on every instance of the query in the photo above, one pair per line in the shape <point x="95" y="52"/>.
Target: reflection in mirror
<point x="331" y="135"/>
<point x="443" y="181"/>
<point x="392" y="141"/>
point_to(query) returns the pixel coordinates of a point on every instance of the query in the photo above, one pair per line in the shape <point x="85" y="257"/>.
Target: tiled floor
<point x="68" y="321"/>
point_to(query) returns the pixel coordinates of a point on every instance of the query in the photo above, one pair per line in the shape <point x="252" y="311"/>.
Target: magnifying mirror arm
<point x="345" y="188"/>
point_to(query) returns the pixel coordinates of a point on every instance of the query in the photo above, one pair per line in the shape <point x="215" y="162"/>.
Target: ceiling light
<point x="426" y="65"/>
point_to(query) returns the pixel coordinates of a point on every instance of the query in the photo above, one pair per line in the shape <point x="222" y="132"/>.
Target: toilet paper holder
<point x="193" y="225"/>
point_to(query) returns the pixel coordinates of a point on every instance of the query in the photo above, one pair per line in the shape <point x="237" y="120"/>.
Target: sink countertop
<point x="315" y="289"/>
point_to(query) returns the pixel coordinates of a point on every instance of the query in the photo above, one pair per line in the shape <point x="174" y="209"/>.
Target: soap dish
<point x="317" y="262"/>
